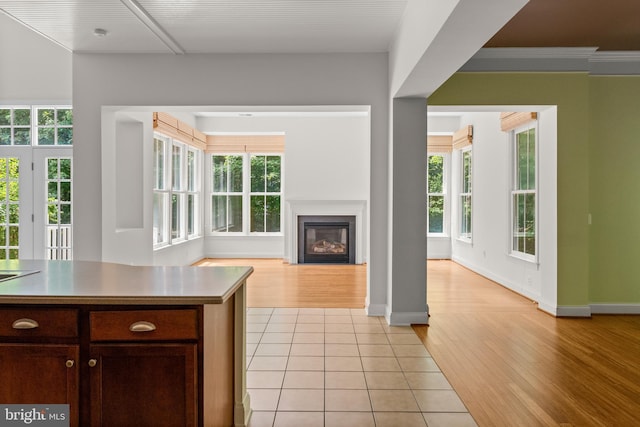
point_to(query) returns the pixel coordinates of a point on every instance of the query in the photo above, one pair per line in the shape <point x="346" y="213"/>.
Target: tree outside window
<point x="435" y="194"/>
<point x="523" y="196"/>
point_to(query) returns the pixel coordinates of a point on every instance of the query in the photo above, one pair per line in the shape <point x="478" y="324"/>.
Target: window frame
<point x="533" y="258"/>
<point x="444" y="194"/>
<point x="463" y="236"/>
<point x="246" y="195"/>
<point x="176" y="187"/>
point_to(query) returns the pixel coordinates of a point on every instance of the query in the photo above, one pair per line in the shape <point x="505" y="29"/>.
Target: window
<point x="59" y="208"/>
<point x="15" y="126"/>
<point x="54" y="126"/>
<point x="265" y="193"/>
<point x="246" y="193"/>
<point x="465" y="194"/>
<point x="523" y="195"/>
<point x="176" y="194"/>
<point x="9" y="208"/>
<point x="436" y="192"/>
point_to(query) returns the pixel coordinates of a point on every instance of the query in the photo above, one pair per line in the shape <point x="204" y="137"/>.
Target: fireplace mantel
<point x="297" y="207"/>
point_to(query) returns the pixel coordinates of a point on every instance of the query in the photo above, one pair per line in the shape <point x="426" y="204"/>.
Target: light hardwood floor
<point x="510" y="363"/>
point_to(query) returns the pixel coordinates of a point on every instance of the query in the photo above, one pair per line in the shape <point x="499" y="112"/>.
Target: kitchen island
<point x="125" y="345"/>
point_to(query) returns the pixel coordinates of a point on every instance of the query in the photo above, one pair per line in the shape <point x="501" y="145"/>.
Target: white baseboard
<point x="615" y="308"/>
<point x="573" y="311"/>
<point x="375" y="309"/>
<point x="407" y="318"/>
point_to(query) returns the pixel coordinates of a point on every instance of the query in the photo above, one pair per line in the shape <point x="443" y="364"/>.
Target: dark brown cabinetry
<point x="120" y="367"/>
<point x="39" y="356"/>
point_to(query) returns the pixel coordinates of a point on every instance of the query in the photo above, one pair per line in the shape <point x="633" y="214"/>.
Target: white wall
<point x="488" y="254"/>
<point x="325" y="158"/>
<point x="166" y="81"/>
<point x="33" y="70"/>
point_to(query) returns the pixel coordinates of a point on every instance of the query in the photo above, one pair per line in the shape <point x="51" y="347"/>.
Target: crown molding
<point x="535" y="53"/>
<point x="555" y="59"/>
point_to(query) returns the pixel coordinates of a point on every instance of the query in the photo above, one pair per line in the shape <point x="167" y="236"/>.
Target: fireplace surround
<point x="321" y="207"/>
<point x="326" y="239"/>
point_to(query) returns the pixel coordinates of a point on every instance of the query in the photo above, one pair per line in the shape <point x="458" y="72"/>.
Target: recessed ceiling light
<point x="100" y="32"/>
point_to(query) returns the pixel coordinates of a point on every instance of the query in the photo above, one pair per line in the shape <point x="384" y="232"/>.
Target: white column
<point x="407" y="292"/>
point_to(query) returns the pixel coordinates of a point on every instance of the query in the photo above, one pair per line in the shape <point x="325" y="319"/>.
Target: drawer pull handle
<point x="92" y="363"/>
<point x="69" y="363"/>
<point x="25" y="324"/>
<point x="142" y="326"/>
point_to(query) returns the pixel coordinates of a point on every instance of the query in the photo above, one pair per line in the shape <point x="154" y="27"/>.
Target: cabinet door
<point x="40" y="374"/>
<point x="142" y="385"/>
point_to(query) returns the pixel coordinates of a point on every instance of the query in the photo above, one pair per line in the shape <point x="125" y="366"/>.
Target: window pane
<point x="158" y="164"/>
<point x="65" y="214"/>
<point x="435" y="179"/>
<point x="65" y="136"/>
<point x="466" y="172"/>
<point x="5" y="117"/>
<point x="65" y="191"/>
<point x="46" y="136"/>
<point x="3" y="235"/>
<point x="22" y="136"/>
<point x="159" y="218"/>
<point x="191" y="172"/>
<point x="257" y="213"/>
<point x="219" y="213"/>
<point x="258" y="173"/>
<point x="235" y="173"/>
<point x="175" y="216"/>
<point x="52" y="168"/>
<point x="46" y="117"/>
<point x="273" y="214"/>
<point x="218" y="174"/>
<point x="14" y="213"/>
<point x="5" y="136"/>
<point x="524" y="235"/>
<point x="436" y="214"/>
<point x="52" y="213"/>
<point x="53" y="191"/>
<point x="176" y="171"/>
<point x="65" y="116"/>
<point x="273" y="173"/>
<point x="22" y="117"/>
<point x="465" y="217"/>
<point x="235" y="213"/>
<point x="65" y="168"/>
<point x="191" y="211"/>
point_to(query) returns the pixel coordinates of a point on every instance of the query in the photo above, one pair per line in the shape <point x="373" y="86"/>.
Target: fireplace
<point x="326" y="239"/>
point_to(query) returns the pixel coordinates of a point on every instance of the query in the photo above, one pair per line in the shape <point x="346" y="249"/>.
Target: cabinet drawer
<point x="39" y="322"/>
<point x="143" y="325"/>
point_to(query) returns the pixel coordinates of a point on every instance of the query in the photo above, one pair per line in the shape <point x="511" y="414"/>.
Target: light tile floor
<point x="337" y="367"/>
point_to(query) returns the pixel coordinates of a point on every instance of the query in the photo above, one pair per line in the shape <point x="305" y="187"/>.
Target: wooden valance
<point x="170" y="126"/>
<point x="245" y="144"/>
<point x="511" y="120"/>
<point x="463" y="137"/>
<point x="439" y="143"/>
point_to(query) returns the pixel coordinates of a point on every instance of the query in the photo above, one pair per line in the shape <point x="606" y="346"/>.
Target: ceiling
<point x="314" y="26"/>
<point x="291" y="26"/>
<point x="213" y="26"/>
<point x="610" y="25"/>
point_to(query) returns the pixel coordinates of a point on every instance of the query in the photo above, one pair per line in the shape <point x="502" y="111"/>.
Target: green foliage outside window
<point x="435" y="184"/>
<point x="9" y="208"/>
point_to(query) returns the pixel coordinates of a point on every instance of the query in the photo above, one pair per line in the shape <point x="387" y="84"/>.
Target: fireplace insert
<point x="326" y="239"/>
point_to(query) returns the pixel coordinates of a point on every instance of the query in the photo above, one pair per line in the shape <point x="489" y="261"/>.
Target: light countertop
<point x="88" y="282"/>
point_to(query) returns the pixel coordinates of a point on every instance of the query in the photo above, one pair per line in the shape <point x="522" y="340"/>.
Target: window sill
<point x="532" y="259"/>
<point x="464" y="240"/>
<point x="438" y="236"/>
<point x="241" y="235"/>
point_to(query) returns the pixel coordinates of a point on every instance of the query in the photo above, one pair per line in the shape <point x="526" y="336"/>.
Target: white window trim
<point x="460" y="237"/>
<point x="534" y="259"/>
<point x="446" y="222"/>
<point x="182" y="192"/>
<point x="246" y="196"/>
